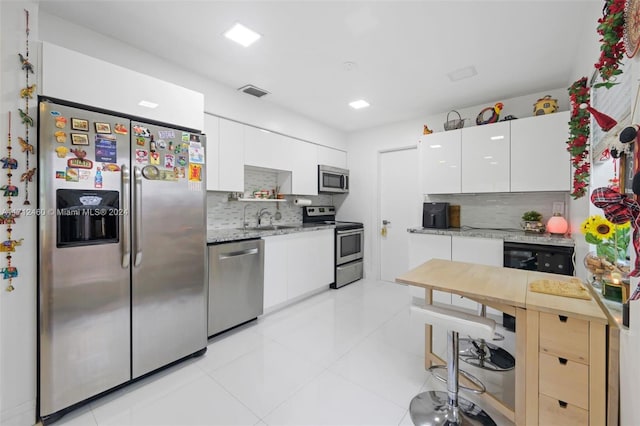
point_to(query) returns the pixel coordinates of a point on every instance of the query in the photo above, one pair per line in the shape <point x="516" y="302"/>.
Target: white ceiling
<point x="403" y="49"/>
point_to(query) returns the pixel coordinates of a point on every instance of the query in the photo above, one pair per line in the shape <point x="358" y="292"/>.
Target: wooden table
<point x="507" y="290"/>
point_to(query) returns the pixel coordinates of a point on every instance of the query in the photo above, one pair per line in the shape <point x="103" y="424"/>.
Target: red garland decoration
<point x="611" y="30"/>
<point x="578" y="143"/>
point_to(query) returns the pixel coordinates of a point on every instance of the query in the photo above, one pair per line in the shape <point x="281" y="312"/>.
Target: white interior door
<point x="400" y="207"/>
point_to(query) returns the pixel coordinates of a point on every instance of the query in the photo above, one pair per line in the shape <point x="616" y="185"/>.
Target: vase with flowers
<point x="609" y="263"/>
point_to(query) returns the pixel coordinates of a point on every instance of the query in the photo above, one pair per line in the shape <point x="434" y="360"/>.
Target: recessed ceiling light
<point x="487" y="157"/>
<point x="148" y="104"/>
<point x="359" y="104"/>
<point x="242" y="35"/>
<point x="497" y="138"/>
<point x="442" y="161"/>
<point x="435" y="146"/>
<point x="462" y="73"/>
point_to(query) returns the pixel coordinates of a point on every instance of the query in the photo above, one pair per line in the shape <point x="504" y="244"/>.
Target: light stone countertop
<point x="506" y="235"/>
<point x="215" y="236"/>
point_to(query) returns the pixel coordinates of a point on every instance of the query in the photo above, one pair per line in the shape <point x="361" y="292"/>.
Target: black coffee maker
<point x="435" y="215"/>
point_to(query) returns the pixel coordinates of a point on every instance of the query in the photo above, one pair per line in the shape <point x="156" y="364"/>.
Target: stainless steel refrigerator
<point x="122" y="249"/>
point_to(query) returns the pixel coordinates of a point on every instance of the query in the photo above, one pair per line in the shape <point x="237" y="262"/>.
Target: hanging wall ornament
<point x="27" y="93"/>
<point x="631" y="35"/>
<point x="9" y="272"/>
<point x="578" y="143"/>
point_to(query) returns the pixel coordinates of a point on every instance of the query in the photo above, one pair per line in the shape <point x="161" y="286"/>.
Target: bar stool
<point x="433" y="408"/>
<point x="479" y="353"/>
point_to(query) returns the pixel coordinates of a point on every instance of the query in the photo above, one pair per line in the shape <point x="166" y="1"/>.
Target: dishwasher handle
<point x="239" y="253"/>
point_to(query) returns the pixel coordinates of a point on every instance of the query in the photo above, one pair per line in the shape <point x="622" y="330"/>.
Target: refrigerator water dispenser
<point x="86" y="217"/>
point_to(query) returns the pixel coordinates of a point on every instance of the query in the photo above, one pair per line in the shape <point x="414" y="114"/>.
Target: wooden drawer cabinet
<point x="554" y="412"/>
<point x="565" y="380"/>
<point x="564" y="337"/>
<point x="566" y="370"/>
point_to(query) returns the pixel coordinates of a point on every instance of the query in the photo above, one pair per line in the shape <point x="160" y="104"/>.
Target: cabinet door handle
<point x="563" y="318"/>
<point x="562" y="404"/>
<point x="563" y="361"/>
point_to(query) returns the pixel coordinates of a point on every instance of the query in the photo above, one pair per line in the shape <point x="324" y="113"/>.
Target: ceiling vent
<point x="253" y="90"/>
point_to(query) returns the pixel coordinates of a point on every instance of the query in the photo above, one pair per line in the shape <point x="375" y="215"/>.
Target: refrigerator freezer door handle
<point x="126" y="224"/>
<point x="137" y="216"/>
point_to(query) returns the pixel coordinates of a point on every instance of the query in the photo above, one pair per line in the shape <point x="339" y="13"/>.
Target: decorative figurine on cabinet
<point x="545" y="105"/>
<point x="495" y="114"/>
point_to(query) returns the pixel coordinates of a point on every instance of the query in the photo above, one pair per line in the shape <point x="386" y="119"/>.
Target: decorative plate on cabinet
<point x="631" y="34"/>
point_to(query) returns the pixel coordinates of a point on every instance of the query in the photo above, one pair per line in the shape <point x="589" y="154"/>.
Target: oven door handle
<point x="351" y="231"/>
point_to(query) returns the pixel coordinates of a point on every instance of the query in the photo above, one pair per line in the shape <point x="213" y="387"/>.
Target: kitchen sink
<point x="268" y="227"/>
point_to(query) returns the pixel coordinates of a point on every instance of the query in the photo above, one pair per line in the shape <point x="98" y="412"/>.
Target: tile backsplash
<point x="502" y="210"/>
<point x="222" y="214"/>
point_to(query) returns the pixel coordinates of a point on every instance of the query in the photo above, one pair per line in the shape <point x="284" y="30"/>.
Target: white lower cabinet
<point x="484" y="251"/>
<point x="423" y="247"/>
<point x="297" y="264"/>
<point x="275" y="270"/>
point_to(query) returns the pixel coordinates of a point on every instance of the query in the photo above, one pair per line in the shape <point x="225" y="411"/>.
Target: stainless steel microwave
<point x="333" y="180"/>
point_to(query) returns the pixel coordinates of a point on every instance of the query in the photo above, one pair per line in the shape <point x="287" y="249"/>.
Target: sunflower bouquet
<point x="611" y="240"/>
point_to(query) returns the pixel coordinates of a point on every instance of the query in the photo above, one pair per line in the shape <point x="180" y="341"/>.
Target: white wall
<point x="18" y="308"/>
<point x="362" y="154"/>
<point x="219" y="99"/>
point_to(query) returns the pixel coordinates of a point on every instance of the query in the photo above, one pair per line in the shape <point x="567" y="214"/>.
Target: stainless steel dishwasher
<point x="236" y="284"/>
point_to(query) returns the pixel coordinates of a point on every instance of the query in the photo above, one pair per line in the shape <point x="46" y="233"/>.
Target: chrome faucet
<point x="263" y="212"/>
<point x="244" y="217"/>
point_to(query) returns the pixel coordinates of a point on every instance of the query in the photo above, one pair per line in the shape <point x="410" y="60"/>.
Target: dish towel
<point x="618" y="209"/>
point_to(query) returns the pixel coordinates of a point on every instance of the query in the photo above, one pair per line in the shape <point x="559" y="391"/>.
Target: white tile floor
<point x="343" y="357"/>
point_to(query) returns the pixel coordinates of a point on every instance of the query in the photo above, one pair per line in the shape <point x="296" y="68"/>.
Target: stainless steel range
<point x="349" y="243"/>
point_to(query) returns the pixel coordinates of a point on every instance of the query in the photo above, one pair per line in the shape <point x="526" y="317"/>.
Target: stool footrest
<point x="481" y="388"/>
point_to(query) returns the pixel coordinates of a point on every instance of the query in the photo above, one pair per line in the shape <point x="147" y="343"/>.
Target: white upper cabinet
<point x="231" y="157"/>
<point x="331" y="157"/>
<point x="440" y="158"/>
<point x="266" y="149"/>
<point x="485" y="158"/>
<point x="539" y="159"/>
<point x="304" y="167"/>
<point x="212" y="131"/>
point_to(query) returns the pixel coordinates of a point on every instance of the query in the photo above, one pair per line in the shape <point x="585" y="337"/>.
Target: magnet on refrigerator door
<point x="120" y="129"/>
<point x="71" y="175"/>
<point x="110" y="167"/>
<point x="139" y="130"/>
<point x="154" y="158"/>
<point x="169" y="161"/>
<point x="106" y="151"/>
<point x="196" y="153"/>
<point x="62" y="151"/>
<point x="140" y="141"/>
<point x="61" y="175"/>
<point x="185" y="137"/>
<point x="61" y="137"/>
<point x="195" y="172"/>
<point x="61" y="122"/>
<point x="166" y="134"/>
<point x="142" y="156"/>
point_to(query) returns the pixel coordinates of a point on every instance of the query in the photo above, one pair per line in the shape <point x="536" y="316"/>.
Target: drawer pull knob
<point x="562" y="404"/>
<point x="563" y="318"/>
<point x="563" y="361"/>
